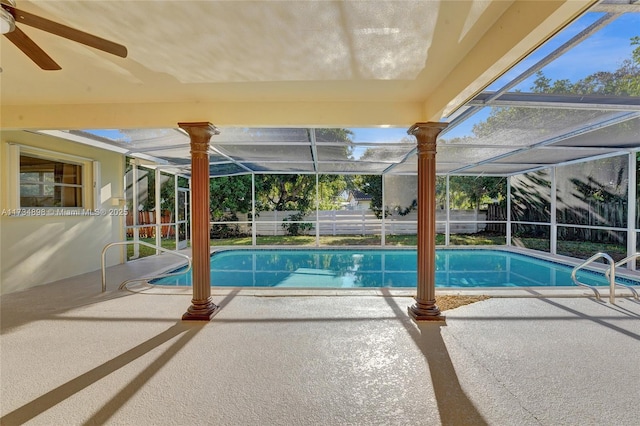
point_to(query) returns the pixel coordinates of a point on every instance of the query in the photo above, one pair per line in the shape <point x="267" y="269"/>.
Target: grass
<point x="577" y="249"/>
<point x="359" y="240"/>
<point x="144" y="251"/>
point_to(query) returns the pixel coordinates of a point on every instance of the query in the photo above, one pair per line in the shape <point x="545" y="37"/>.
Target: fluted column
<point x="425" y="308"/>
<point x="202" y="307"/>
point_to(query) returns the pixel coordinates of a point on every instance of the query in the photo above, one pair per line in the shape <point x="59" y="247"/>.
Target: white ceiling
<point x="289" y="66"/>
<point x="269" y="63"/>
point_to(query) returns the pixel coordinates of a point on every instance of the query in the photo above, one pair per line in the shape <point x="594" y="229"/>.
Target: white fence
<point x="354" y="222"/>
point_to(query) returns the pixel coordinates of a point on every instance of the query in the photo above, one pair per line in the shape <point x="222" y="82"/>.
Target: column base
<point x="425" y="311"/>
<point x="201" y="312"/>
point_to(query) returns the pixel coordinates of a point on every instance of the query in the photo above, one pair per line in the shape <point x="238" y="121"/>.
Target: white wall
<point x="40" y="250"/>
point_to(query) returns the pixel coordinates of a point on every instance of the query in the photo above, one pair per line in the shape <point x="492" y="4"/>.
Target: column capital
<point x="426" y="133"/>
<point x="200" y="134"/>
<point x="200" y="130"/>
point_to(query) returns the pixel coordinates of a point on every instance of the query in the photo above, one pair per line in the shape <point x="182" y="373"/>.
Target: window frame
<point x="89" y="179"/>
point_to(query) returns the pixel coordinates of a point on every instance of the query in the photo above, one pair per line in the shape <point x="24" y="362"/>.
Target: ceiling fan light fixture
<point x="8" y="14"/>
<point x="7" y="23"/>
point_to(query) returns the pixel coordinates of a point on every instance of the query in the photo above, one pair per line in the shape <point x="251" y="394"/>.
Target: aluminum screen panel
<point x="353" y="167"/>
<point x="226" y="169"/>
<point x="547" y="155"/>
<point x="365" y="153"/>
<point x="468" y="154"/>
<point x="245" y="135"/>
<point x="137" y="139"/>
<point x="497" y="169"/>
<point x="622" y="135"/>
<point x="610" y="57"/>
<point x="264" y="152"/>
<point x="280" y="166"/>
<point x="525" y="126"/>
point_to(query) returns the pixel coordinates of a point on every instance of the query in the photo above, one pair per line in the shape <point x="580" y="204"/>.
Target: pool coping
<point x="494" y="292"/>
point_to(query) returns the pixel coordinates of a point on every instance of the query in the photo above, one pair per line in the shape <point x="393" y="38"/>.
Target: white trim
<point x="90" y="177"/>
<point x="508" y="231"/>
<point x="631" y="210"/>
<point x="553" y="212"/>
<point x="97" y="185"/>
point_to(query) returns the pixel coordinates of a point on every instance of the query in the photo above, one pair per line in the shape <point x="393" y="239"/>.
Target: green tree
<point x="229" y="195"/>
<point x="146" y="189"/>
<point x="372" y="186"/>
<point x="625" y="81"/>
<point x="283" y="192"/>
<point x="472" y="192"/>
<point x="298" y="192"/>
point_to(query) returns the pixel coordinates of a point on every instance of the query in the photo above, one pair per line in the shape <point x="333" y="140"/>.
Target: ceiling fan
<point x="10" y="15"/>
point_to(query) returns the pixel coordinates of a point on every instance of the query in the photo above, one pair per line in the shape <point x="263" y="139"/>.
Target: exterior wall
<point x="40" y="250"/>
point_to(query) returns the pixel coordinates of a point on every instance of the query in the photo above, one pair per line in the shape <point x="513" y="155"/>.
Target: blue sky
<point x="391" y="134"/>
<point x="602" y="51"/>
<point x="113" y="134"/>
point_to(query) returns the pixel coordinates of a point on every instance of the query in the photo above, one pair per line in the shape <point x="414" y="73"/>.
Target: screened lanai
<point x="558" y="135"/>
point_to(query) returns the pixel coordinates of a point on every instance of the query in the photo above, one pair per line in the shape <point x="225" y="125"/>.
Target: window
<point x="49" y="183"/>
<point x="41" y="178"/>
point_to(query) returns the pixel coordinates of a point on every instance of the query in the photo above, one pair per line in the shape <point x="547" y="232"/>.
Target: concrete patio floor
<point x="72" y="355"/>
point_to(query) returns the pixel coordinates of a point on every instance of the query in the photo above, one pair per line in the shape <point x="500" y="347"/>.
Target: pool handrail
<point x="620" y="263"/>
<point x="121" y="243"/>
<point x="611" y="277"/>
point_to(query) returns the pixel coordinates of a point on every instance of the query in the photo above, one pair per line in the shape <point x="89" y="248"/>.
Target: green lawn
<point x="577" y="249"/>
<point x="169" y="244"/>
<point x="358" y="240"/>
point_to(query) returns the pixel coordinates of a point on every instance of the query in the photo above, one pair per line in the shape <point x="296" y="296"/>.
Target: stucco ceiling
<point x="269" y="63"/>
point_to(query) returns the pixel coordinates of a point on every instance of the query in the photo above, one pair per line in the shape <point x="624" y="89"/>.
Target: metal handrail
<point x="620" y="263"/>
<point x="122" y="243"/>
<point x="611" y="277"/>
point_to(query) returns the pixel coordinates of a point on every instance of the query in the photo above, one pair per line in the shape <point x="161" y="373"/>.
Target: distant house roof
<point x="359" y="196"/>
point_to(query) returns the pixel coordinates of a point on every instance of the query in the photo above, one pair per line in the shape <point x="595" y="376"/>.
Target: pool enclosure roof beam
<point x="601" y="125"/>
<point x="547" y="100"/>
<point x="314" y="149"/>
<point x="582" y="35"/>
<point x="455" y="119"/>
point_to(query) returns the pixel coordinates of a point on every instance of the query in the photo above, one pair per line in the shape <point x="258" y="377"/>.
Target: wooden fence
<point x="149" y="218"/>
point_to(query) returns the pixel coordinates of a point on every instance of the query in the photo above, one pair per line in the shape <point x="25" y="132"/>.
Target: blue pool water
<point x="342" y="268"/>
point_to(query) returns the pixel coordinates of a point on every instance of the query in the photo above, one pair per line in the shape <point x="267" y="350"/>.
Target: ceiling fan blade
<point x="32" y="50"/>
<point x="67" y="32"/>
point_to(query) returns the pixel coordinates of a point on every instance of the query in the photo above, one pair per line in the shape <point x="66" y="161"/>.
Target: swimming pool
<point x="366" y="268"/>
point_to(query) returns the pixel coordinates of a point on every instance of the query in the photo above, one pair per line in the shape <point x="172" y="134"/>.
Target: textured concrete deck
<point x="71" y="355"/>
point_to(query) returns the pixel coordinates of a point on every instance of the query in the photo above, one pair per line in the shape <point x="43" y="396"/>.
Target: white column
<point x="383" y="236"/>
<point x="631" y="210"/>
<point x="134" y="206"/>
<point x="447" y="228"/>
<point x="317" y="211"/>
<point x="158" y="215"/>
<point x="508" y="233"/>
<point x="553" y="234"/>
<point x="254" y="224"/>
